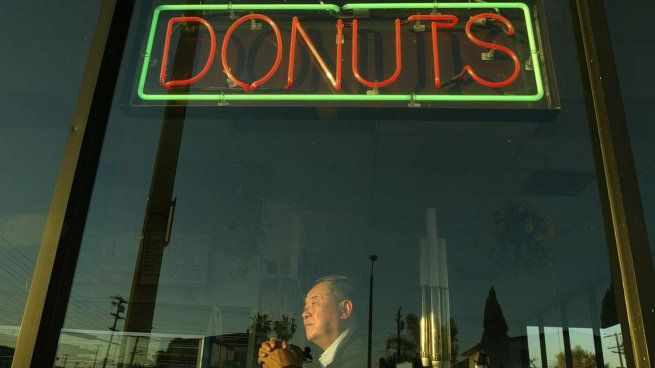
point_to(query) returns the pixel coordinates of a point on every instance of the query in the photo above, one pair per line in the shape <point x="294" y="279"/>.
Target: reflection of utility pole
<point x="136" y="343"/>
<point x="160" y="208"/>
<point x="399" y="326"/>
<point x="532" y="362"/>
<point x="618" y="347"/>
<point x="95" y="358"/>
<point x="65" y="359"/>
<point x="157" y="223"/>
<point x="370" y="311"/>
<point x="118" y="302"/>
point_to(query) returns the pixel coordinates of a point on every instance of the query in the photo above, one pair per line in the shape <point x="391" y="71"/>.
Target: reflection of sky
<point x="335" y="194"/>
<point x="582" y="337"/>
<point x="42" y="55"/>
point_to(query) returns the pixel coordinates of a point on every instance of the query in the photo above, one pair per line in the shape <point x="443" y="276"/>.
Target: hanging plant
<point x="521" y="231"/>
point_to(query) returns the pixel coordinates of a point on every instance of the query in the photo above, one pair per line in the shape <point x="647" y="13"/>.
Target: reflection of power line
<point x="619" y="347"/>
<point x="21" y="283"/>
<point x="532" y="362"/>
<point x="134" y="351"/>
<point x="65" y="360"/>
<point x="21" y="297"/>
<point x="23" y="267"/>
<point x="11" y="308"/>
<point x="27" y="265"/>
<point x="16" y="301"/>
<point x="95" y="358"/>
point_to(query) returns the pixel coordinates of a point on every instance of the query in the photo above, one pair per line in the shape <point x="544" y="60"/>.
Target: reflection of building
<point x="224" y="351"/>
<point x="180" y="352"/>
<point x="228" y="351"/>
<point x="280" y="254"/>
<point x="517" y="355"/>
<point x="435" y="338"/>
<point x="6" y="353"/>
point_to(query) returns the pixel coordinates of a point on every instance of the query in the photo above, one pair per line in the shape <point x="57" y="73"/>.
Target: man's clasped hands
<point x="279" y="354"/>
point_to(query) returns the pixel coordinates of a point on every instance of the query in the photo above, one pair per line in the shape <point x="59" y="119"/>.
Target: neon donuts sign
<point x="291" y="54"/>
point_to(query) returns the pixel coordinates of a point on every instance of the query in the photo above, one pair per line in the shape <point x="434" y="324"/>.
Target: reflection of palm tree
<point x="261" y="324"/>
<point x="285" y="328"/>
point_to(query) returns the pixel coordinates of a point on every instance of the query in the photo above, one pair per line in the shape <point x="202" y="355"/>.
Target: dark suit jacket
<point x="352" y="352"/>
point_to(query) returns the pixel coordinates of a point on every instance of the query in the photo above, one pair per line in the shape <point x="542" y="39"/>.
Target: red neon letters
<point x="297" y="28"/>
<point x="167" y="45"/>
<point x="436" y="22"/>
<point x="515" y="59"/>
<point x="226" y="41"/>
<point x="399" y="60"/>
<point x="452" y="22"/>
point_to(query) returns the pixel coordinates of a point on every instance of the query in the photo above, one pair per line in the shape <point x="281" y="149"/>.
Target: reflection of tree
<point x="285" y="328"/>
<point x="454" y="347"/>
<point x="495" y="341"/>
<point x="408" y="349"/>
<point x="581" y="359"/>
<point x="409" y="342"/>
<point x="521" y="229"/>
<point x="608" y="317"/>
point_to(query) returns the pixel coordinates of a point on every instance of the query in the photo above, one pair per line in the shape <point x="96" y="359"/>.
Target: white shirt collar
<point x="328" y="355"/>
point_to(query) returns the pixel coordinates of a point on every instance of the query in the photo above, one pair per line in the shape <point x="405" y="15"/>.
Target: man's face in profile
<point x="321" y="316"/>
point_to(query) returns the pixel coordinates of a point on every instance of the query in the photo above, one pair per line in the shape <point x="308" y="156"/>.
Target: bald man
<point x="329" y="323"/>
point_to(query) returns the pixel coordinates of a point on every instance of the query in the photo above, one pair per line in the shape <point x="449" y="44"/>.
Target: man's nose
<point x="305" y="313"/>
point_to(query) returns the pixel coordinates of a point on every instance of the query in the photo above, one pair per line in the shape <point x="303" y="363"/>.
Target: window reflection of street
<point x="489" y="237"/>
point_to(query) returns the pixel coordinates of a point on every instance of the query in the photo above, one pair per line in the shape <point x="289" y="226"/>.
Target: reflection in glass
<point x="435" y="340"/>
<point x="268" y="205"/>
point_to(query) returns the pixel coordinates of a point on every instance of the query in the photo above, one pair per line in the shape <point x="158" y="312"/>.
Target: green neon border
<point x="332" y="97"/>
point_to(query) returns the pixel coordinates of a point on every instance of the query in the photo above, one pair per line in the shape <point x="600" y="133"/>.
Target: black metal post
<point x="542" y="341"/>
<point x="630" y="256"/>
<point x="370" y="311"/>
<point x="398" y="327"/>
<point x="595" y="326"/>
<point x="566" y="335"/>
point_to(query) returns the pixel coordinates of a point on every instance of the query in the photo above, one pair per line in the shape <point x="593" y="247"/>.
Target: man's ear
<point x="346" y="309"/>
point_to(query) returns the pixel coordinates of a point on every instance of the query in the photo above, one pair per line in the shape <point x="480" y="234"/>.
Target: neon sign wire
<point x="223" y="97"/>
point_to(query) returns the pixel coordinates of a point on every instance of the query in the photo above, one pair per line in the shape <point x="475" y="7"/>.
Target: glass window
<point x="43" y="52"/>
<point x="633" y="60"/>
<point x="487" y="235"/>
